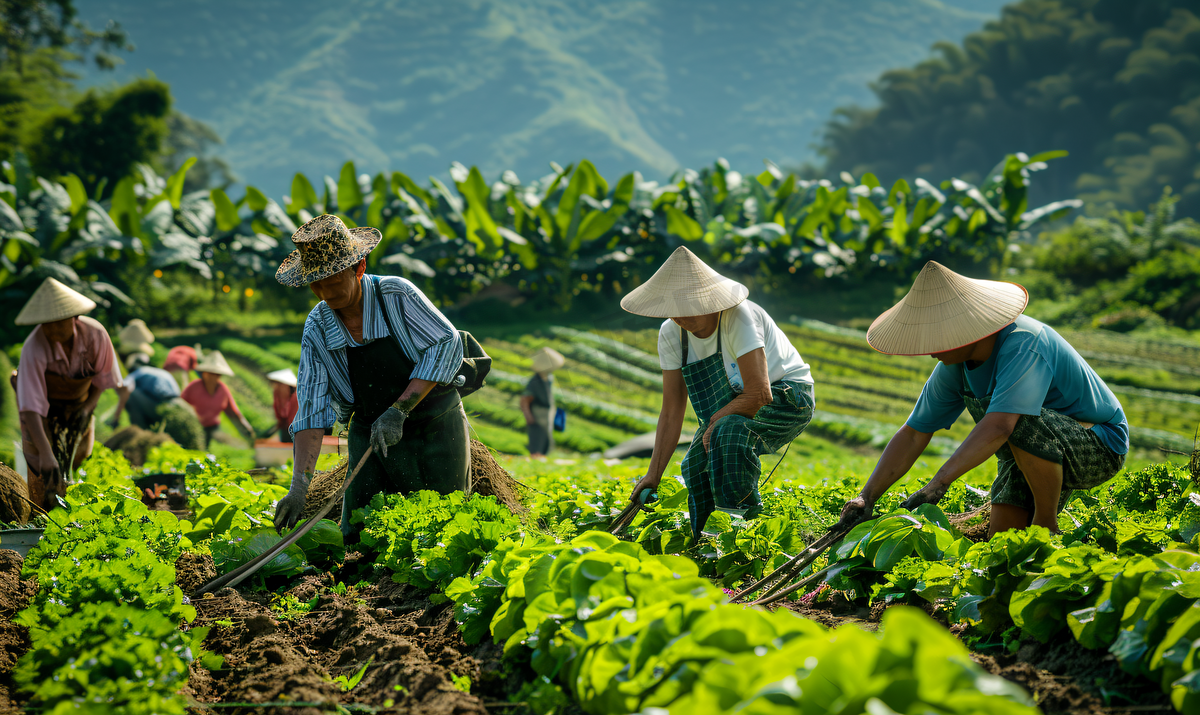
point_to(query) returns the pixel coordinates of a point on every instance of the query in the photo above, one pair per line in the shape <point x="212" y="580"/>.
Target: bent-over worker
<point x="1049" y="419"/>
<point x="749" y="387"/>
<point x="537" y="402"/>
<point x="180" y="362"/>
<point x="209" y="396"/>
<point x="283" y="394"/>
<point x="149" y="389"/>
<point x="66" y="363"/>
<point x="375" y="354"/>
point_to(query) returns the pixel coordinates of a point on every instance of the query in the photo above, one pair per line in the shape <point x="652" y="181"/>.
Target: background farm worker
<point x="209" y="396"/>
<point x="149" y="389"/>
<point x="537" y="402"/>
<point x="283" y="389"/>
<point x="377" y="355"/>
<point x="180" y="362"/>
<point x="135" y="337"/>
<point x="1050" y="420"/>
<point x="750" y="389"/>
<point x="66" y="363"/>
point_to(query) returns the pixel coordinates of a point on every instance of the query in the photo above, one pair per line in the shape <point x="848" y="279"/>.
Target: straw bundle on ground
<point x="14" y="509"/>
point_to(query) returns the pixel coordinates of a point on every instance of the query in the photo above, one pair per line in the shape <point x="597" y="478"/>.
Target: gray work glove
<point x="388" y="429"/>
<point x="291" y="506"/>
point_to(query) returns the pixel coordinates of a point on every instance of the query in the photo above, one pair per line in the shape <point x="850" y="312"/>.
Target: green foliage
<point x="874" y="547"/>
<point x="103" y="136"/>
<point x="127" y="659"/>
<point x="182" y="425"/>
<point x="1112" y="82"/>
<point x="224" y="499"/>
<point x="428" y="540"/>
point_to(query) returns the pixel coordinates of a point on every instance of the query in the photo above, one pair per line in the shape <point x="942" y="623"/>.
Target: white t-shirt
<point x="744" y="329"/>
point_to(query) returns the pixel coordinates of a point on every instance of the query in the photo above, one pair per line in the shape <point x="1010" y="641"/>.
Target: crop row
<point x="104" y="621"/>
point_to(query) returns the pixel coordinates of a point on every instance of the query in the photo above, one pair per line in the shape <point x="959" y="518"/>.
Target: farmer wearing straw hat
<point x="283" y="389"/>
<point x="135" y="337"/>
<point x="537" y="402"/>
<point x="377" y="354"/>
<point x="66" y="363"/>
<point x="749" y="387"/>
<point x="1050" y="420"/>
<point x="149" y="389"/>
<point x="209" y="396"/>
<point x="181" y="360"/>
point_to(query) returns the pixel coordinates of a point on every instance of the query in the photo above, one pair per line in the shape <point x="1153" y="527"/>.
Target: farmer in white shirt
<point x="750" y="389"/>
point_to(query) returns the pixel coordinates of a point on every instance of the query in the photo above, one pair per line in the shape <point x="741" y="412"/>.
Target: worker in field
<point x="1050" y="420"/>
<point x="135" y="337"/>
<point x="283" y="393"/>
<point x="749" y="387"/>
<point x="149" y="389"/>
<point x="537" y="402"/>
<point x="378" y="356"/>
<point x="66" y="363"/>
<point x="181" y="361"/>
<point x="210" y="397"/>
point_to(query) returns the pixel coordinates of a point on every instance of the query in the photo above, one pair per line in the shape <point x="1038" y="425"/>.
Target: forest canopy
<point x="1114" y="82"/>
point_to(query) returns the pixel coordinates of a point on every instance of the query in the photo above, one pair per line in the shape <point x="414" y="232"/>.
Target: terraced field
<point x="611" y="385"/>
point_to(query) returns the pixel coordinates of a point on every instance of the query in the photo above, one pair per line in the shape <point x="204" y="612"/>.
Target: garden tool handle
<point x="244" y="571"/>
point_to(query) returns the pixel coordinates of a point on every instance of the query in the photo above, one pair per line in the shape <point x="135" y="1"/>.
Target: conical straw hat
<point x="285" y="376"/>
<point x="682" y="288"/>
<point x="53" y="301"/>
<point x="144" y="348"/>
<point x="548" y="360"/>
<point x="134" y="334"/>
<point x="215" y="363"/>
<point x="944" y="311"/>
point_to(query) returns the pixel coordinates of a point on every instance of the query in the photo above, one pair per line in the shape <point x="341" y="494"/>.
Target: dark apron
<point x="67" y="428"/>
<point x="435" y="451"/>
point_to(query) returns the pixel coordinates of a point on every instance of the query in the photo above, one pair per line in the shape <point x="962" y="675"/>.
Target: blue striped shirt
<point x="426" y="337"/>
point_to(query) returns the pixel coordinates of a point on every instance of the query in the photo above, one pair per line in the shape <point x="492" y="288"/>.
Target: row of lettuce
<point x="631" y="626"/>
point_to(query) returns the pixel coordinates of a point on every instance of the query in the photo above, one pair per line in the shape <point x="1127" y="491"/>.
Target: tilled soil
<point x="413" y="648"/>
<point x="14" y="639"/>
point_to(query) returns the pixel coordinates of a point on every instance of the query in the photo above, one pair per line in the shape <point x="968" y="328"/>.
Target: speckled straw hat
<point x="325" y="246"/>
<point x="944" y="311"/>
<point x="683" y="287"/>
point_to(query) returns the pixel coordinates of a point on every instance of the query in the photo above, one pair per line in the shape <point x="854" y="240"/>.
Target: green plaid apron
<point x="726" y="476"/>
<point x="1086" y="461"/>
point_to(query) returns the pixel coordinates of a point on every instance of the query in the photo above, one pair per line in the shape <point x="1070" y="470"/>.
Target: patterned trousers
<point x="726" y="476"/>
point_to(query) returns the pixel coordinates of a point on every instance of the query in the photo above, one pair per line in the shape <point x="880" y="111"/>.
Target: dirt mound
<point x="135" y="443"/>
<point x="14" y="639"/>
<point x="193" y="571"/>
<point x="973" y="524"/>
<point x="14" y="507"/>
<point x="488" y="477"/>
<point x="268" y="659"/>
<point x="324" y="484"/>
<point x="1053" y="694"/>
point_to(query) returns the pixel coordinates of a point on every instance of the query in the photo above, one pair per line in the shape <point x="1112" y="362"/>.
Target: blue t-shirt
<point x="1030" y="367"/>
<point x="156" y="383"/>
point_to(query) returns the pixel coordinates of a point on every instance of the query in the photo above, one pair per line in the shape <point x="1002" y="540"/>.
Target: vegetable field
<point x="459" y="605"/>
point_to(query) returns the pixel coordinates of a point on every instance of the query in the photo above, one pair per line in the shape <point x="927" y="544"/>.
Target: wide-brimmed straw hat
<point x="548" y="360"/>
<point x="53" y="301"/>
<point x="215" y="363"/>
<point x="683" y="287"/>
<point x="944" y="311"/>
<point x="135" y="334"/>
<point x="325" y="246"/>
<point x="285" y="377"/>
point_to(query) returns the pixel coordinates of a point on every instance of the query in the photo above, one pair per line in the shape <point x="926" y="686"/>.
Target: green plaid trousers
<point x="726" y="477"/>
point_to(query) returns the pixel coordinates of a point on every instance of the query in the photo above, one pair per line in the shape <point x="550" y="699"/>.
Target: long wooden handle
<point x="242" y="572"/>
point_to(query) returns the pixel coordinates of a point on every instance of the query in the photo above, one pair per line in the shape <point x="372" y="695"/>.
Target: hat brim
<point x="363" y="240"/>
<point x="890" y="338"/>
<point x="651" y="302"/>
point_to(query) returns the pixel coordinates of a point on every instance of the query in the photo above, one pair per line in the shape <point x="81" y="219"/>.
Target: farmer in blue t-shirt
<point x="1047" y="416"/>
<point x="151" y="388"/>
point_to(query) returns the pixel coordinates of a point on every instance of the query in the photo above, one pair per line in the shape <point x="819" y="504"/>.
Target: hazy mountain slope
<point x="397" y="84"/>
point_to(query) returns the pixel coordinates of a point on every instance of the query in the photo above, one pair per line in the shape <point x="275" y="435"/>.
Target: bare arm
<point x="306" y="448"/>
<point x="988" y="436"/>
<point x="526" y="402"/>
<point x="413" y="394"/>
<point x="898" y="457"/>
<point x="123" y="393"/>
<point x="756" y="390"/>
<point x="670" y="426"/>
<point x="33" y="432"/>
